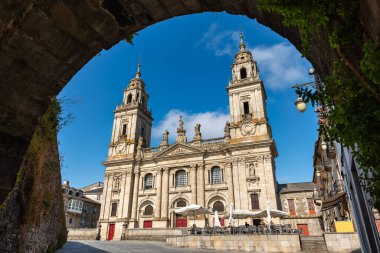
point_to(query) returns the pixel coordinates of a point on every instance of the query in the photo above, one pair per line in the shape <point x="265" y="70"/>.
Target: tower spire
<point x="138" y="73"/>
<point x="242" y="45"/>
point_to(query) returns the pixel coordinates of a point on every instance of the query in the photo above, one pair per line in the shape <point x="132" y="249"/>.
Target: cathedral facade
<point x="143" y="185"/>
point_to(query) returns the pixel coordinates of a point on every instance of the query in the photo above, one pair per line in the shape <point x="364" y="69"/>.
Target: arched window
<point x="137" y="97"/>
<point x="148" y="181"/>
<point x="216" y="175"/>
<point x="218" y="206"/>
<point x="180" y="178"/>
<point x="243" y="73"/>
<point x="129" y="99"/>
<point x="181" y="203"/>
<point x="148" y="210"/>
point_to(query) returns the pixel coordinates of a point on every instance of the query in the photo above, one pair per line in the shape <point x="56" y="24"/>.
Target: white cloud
<point x="280" y="65"/>
<point x="212" y="124"/>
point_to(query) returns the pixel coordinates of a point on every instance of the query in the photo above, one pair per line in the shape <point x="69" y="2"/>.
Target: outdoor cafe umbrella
<point x="269" y="213"/>
<point x="192" y="210"/>
<point x="216" y="220"/>
<point x="240" y="214"/>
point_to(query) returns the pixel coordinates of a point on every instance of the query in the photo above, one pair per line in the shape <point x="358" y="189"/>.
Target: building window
<point x="97" y="197"/>
<point x="148" y="210"/>
<point x="75" y="205"/>
<point x="71" y="221"/>
<point x="255" y="201"/>
<point x="181" y="203"/>
<point x="218" y="206"/>
<point x="310" y="204"/>
<point x="148" y="182"/>
<point x="292" y="207"/>
<point x="180" y="178"/>
<point x="113" y="209"/>
<point x="129" y="99"/>
<point x="243" y="73"/>
<point x="216" y="175"/>
<point x="246" y="108"/>
<point x="124" y="131"/>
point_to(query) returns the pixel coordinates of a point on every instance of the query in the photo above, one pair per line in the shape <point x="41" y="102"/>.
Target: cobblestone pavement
<point x="126" y="247"/>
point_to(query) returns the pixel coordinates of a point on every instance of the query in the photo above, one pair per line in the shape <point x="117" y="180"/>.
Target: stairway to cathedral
<point x="315" y="244"/>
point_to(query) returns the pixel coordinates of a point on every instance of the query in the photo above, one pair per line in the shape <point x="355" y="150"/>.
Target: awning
<point x="332" y="201"/>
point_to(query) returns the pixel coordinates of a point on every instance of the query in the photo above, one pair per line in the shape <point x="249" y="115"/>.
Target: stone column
<point x="126" y="196"/>
<point x="135" y="196"/>
<point x="230" y="183"/>
<point x="201" y="186"/>
<point x="157" y="211"/>
<point x="193" y="182"/>
<point x="105" y="196"/>
<point x="165" y="194"/>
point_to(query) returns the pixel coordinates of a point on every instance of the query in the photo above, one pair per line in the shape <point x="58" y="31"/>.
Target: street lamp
<point x="301" y="105"/>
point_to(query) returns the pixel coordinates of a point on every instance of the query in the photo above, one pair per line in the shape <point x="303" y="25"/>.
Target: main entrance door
<point x="147" y="224"/>
<point x="180" y="222"/>
<point x="304" y="228"/>
<point x="111" y="231"/>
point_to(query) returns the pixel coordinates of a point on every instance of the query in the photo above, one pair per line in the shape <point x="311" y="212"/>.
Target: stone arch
<point x="217" y="197"/>
<point x="38" y="60"/>
<point x="145" y="201"/>
<point x="175" y="199"/>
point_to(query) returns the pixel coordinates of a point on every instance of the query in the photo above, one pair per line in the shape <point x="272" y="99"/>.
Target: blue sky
<point x="186" y="66"/>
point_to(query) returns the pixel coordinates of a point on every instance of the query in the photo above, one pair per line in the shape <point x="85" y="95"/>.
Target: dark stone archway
<point x="43" y="43"/>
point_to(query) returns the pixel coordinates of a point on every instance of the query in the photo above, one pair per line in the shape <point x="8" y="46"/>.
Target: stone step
<point x="315" y="244"/>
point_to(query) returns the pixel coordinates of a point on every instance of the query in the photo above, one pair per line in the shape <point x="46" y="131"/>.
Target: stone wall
<point x="81" y="233"/>
<point x="252" y="243"/>
<point x="32" y="216"/>
<point x="342" y="242"/>
<point x="153" y="234"/>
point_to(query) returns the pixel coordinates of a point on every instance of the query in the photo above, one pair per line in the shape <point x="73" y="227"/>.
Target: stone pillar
<point x="126" y="196"/>
<point x="201" y="186"/>
<point x="104" y="196"/>
<point x="165" y="194"/>
<point x="108" y="196"/>
<point x="230" y="183"/>
<point x="135" y="197"/>
<point x="157" y="211"/>
<point x="122" y="192"/>
<point x="193" y="182"/>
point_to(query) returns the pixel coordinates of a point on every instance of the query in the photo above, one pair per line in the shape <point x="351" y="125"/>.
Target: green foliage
<point x="353" y="111"/>
<point x="129" y="38"/>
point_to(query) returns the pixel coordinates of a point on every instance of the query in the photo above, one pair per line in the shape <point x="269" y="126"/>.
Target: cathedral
<point x="143" y="185"/>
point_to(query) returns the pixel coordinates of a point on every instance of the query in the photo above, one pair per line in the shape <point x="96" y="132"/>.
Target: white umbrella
<point x="230" y="219"/>
<point x="216" y="220"/>
<point x="269" y="213"/>
<point x="192" y="210"/>
<point x="240" y="214"/>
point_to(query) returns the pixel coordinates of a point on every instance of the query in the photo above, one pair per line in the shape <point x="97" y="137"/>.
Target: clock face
<point x="120" y="148"/>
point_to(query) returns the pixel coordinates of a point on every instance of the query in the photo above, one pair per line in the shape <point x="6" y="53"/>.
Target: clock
<point x="120" y="148"/>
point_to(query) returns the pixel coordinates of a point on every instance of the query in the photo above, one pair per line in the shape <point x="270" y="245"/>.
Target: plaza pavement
<point x="126" y="247"/>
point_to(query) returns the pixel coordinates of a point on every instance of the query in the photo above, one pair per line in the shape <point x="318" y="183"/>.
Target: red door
<point x="180" y="222"/>
<point x="221" y="222"/>
<point x="304" y="228"/>
<point x="147" y="224"/>
<point x="111" y="231"/>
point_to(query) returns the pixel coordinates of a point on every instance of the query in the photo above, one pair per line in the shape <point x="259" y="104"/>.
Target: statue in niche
<point x="140" y="143"/>
<point x="252" y="171"/>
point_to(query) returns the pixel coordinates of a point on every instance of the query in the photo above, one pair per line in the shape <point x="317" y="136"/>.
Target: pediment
<point x="179" y="149"/>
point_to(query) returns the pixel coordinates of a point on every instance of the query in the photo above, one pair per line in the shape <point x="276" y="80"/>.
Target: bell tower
<point x="247" y="99"/>
<point x="132" y="119"/>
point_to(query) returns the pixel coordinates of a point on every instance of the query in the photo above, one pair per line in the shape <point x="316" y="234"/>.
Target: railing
<point x="151" y="150"/>
<point x="213" y="141"/>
